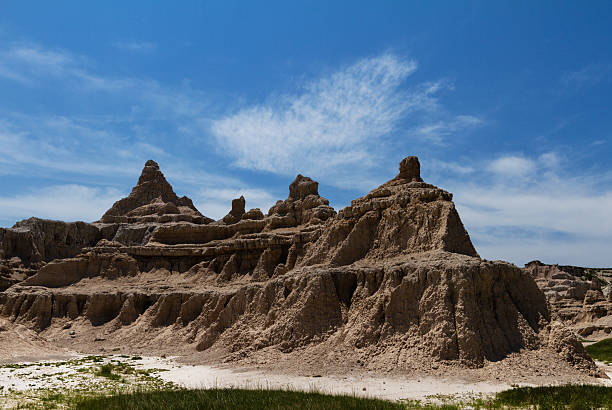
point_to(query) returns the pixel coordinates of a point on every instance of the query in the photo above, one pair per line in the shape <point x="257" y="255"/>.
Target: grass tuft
<point x="106" y="370"/>
<point x="572" y="396"/>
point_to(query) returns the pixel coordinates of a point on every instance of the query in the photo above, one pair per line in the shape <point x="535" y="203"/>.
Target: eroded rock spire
<point x="410" y="169"/>
<point x="151" y="195"/>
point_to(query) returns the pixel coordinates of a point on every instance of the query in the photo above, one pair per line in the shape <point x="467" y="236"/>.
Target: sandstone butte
<point x="390" y="283"/>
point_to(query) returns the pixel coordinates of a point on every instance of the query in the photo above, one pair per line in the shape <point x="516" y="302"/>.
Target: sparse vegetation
<point x="549" y="397"/>
<point x="557" y="397"/>
<point x="106" y="370"/>
<point x="232" y="398"/>
<point x="115" y="383"/>
<point x="89" y="376"/>
<point x="601" y="350"/>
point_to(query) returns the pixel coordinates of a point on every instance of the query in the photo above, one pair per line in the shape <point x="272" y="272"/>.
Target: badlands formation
<point x="579" y="297"/>
<point x="391" y="283"/>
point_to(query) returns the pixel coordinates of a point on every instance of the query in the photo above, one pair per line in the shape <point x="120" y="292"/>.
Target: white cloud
<point x="62" y="202"/>
<point x="26" y="62"/>
<point x="142" y="47"/>
<point x="512" y="166"/>
<point x="13" y="75"/>
<point x="435" y="166"/>
<point x="60" y="144"/>
<point x="549" y="160"/>
<point x="548" y="213"/>
<point x="437" y="132"/>
<point x="53" y="62"/>
<point x="335" y="120"/>
<point x="588" y="75"/>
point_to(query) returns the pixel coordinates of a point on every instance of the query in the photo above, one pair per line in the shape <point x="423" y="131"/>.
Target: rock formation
<point x="579" y="297"/>
<point x="153" y="200"/>
<point x="392" y="279"/>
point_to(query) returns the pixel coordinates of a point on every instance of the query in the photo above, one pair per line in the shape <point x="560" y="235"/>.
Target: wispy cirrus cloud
<point x="141" y="47"/>
<point x="336" y="126"/>
<point x="588" y="75"/>
<point x="69" y="202"/>
<point x="27" y="62"/>
<point x="32" y="65"/>
<point x="438" y="132"/>
<point x="324" y="126"/>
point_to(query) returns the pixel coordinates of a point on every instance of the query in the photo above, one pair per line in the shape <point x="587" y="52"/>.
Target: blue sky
<point x="507" y="104"/>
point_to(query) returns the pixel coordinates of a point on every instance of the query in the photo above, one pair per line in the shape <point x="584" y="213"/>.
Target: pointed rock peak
<point x="303" y="186"/>
<point x="237" y="211"/>
<point x="410" y="169"/>
<point x="151" y="173"/>
<point x="238" y="205"/>
<point x="152" y="188"/>
<point x="151" y="163"/>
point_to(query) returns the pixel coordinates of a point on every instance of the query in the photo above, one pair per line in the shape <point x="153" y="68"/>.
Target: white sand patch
<point x="41" y="375"/>
<point x="73" y="374"/>
<point x="205" y="377"/>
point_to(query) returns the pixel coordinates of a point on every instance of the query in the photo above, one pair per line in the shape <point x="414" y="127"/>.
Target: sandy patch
<point x="384" y="388"/>
<point x="76" y="373"/>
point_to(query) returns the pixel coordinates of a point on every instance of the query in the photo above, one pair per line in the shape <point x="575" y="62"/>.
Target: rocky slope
<point x="392" y="280"/>
<point x="579" y="297"/>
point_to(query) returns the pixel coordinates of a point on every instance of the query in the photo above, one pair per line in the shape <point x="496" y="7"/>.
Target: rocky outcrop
<point x="393" y="278"/>
<point x="30" y="244"/>
<point x="579" y="297"/>
<point x="153" y="200"/>
<point x="38" y="240"/>
<point x="237" y="211"/>
<point x="304" y="206"/>
<point x="401" y="217"/>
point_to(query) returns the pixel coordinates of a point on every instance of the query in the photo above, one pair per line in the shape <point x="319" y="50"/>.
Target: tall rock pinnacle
<point x="152" y="188"/>
<point x="410" y="169"/>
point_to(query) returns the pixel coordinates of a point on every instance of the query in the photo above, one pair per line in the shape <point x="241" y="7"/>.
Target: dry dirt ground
<point x="45" y="366"/>
<point x="51" y="374"/>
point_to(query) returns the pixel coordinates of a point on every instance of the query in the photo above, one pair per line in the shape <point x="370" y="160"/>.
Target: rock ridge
<point x="392" y="278"/>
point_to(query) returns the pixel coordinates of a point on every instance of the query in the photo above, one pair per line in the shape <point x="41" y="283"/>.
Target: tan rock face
<point x="576" y="296"/>
<point x="410" y="169"/>
<point x="237" y="211"/>
<point x="401" y="217"/>
<point x="393" y="277"/>
<point x="152" y="199"/>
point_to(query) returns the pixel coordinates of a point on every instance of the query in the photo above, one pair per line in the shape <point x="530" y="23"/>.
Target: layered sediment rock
<point x="153" y="200"/>
<point x="393" y="276"/>
<point x="30" y="244"/>
<point x="579" y="297"/>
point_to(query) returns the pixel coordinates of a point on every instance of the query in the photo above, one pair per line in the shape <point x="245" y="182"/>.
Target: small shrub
<point x="106" y="370"/>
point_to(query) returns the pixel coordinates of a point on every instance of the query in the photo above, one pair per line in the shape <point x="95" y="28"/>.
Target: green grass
<point x="558" y="397"/>
<point x="575" y="397"/>
<point x="106" y="370"/>
<point x="232" y="399"/>
<point x="113" y="383"/>
<point x="601" y="350"/>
